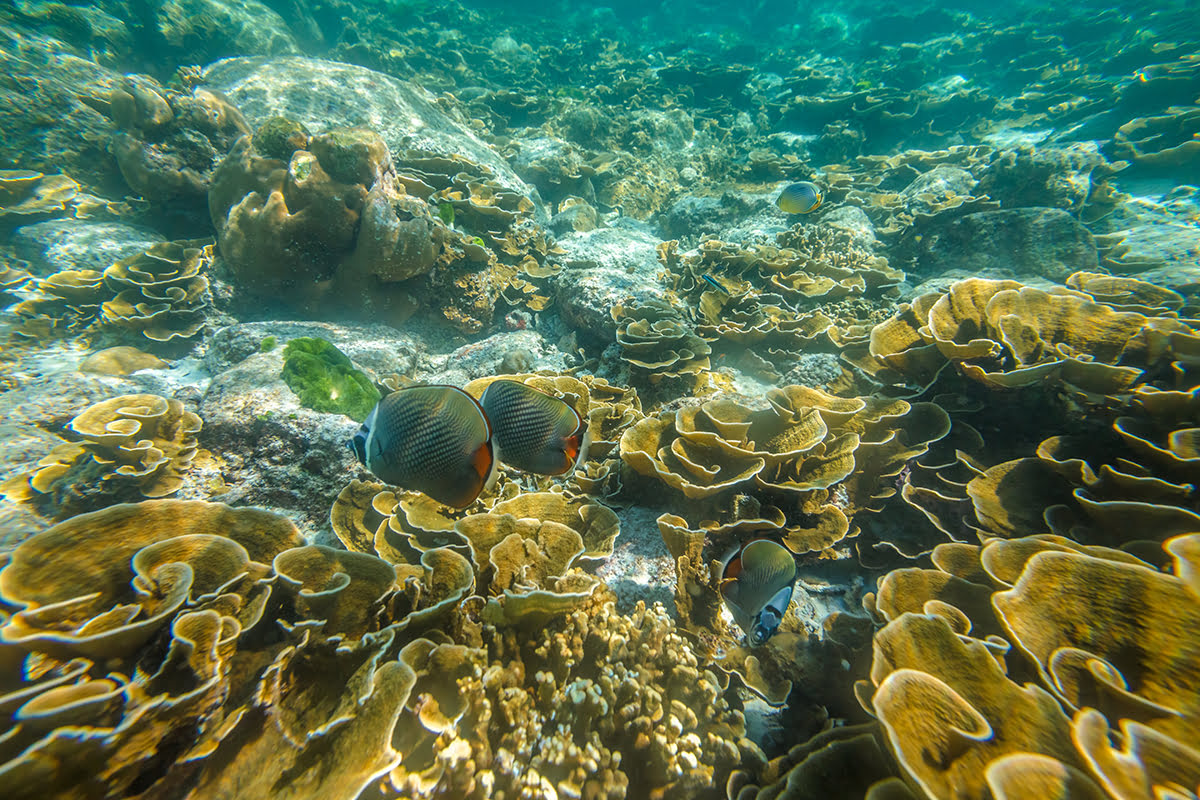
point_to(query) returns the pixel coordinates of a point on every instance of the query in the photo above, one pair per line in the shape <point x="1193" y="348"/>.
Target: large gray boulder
<point x="1046" y="242"/>
<point x="61" y="244"/>
<point x="328" y="94"/>
<point x="602" y="268"/>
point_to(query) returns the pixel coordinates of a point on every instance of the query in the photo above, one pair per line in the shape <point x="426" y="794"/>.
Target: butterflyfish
<point x="433" y="439"/>
<point x="800" y="198"/>
<point x="756" y="584"/>
<point x="534" y="431"/>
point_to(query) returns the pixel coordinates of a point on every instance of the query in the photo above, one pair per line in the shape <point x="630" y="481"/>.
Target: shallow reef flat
<point x="874" y="330"/>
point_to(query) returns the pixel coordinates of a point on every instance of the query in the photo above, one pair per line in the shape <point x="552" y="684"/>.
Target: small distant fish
<point x="711" y="281"/>
<point x="800" y="198"/>
<point x="756" y="584"/>
<point x="534" y="432"/>
<point x="434" y="439"/>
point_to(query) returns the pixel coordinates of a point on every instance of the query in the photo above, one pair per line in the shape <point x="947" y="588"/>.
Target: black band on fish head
<point x="765" y="626"/>
<point x="358" y="443"/>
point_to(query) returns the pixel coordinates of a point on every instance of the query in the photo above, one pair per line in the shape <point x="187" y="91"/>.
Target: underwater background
<point x="873" y="328"/>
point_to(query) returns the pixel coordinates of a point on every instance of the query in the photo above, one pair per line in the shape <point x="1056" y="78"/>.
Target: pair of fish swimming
<point x="442" y="441"/>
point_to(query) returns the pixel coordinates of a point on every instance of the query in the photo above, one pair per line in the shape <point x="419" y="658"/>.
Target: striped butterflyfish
<point x="433" y="439"/>
<point x="800" y="198"/>
<point x="534" y="431"/>
<point x="756" y="584"/>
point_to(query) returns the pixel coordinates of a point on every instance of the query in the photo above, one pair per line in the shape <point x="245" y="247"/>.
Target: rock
<point x="692" y="216"/>
<point x="324" y="94"/>
<point x="578" y="216"/>
<point x="378" y="349"/>
<point x="602" y="268"/>
<point x="557" y="168"/>
<point x="278" y="455"/>
<point x="62" y="244"/>
<point x="853" y="220"/>
<point x="64" y="135"/>
<point x="1028" y="241"/>
<point x="930" y="189"/>
<point x="502" y="353"/>
<point x="205" y="30"/>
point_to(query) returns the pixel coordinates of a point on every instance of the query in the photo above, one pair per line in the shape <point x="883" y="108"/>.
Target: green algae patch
<point x="268" y="344"/>
<point x="325" y="380"/>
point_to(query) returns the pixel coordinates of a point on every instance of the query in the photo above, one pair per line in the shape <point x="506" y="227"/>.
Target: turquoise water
<point x="444" y="399"/>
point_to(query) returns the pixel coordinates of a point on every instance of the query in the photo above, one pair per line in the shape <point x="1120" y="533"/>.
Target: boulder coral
<point x="168" y="143"/>
<point x="338" y="218"/>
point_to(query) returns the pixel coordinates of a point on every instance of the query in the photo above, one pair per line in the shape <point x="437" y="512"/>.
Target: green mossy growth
<point x="268" y="344"/>
<point x="446" y="213"/>
<point x="325" y="380"/>
<point x="279" y="137"/>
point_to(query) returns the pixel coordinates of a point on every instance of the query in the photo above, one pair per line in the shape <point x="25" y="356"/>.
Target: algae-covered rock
<point x="1029" y="241"/>
<point x="326" y="380"/>
<point x="279" y="137"/>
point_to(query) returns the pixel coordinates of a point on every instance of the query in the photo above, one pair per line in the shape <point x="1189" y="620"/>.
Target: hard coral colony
<point x="743" y="401"/>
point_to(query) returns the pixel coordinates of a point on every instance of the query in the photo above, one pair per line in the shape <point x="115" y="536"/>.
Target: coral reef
<point x="167" y="143"/>
<point x="946" y="679"/>
<point x="959" y="394"/>
<point x="139" y="442"/>
<point x="161" y="293"/>
<point x="186" y="591"/>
